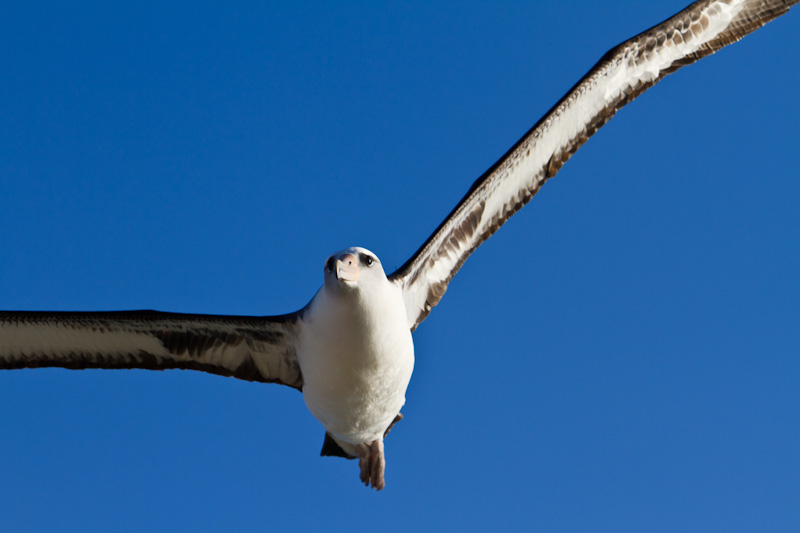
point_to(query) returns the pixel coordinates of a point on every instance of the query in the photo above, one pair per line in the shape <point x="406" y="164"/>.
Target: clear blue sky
<point x="622" y="355"/>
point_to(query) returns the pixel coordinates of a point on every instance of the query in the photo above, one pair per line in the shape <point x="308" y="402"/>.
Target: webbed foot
<point x="372" y="462"/>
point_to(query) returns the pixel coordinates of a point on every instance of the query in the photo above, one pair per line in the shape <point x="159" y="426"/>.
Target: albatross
<point x="350" y="349"/>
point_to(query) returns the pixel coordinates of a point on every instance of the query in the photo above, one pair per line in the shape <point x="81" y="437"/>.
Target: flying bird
<point x="350" y="349"/>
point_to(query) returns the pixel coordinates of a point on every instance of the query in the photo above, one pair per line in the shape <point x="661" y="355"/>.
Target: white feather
<point x="356" y="355"/>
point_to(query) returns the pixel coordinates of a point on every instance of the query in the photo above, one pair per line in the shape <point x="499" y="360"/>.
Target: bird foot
<point x="372" y="462"/>
<point x="397" y="419"/>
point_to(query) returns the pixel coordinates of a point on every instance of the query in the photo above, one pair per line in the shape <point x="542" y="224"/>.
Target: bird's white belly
<point x="355" y="371"/>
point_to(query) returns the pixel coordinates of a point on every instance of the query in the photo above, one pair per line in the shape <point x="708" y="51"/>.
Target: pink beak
<point x="347" y="267"/>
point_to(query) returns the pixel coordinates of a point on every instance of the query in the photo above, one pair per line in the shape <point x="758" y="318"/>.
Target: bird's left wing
<point x="249" y="348"/>
<point x="620" y="76"/>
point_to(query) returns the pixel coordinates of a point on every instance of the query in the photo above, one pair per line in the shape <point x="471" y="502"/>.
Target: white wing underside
<point x="250" y="348"/>
<point x="622" y="74"/>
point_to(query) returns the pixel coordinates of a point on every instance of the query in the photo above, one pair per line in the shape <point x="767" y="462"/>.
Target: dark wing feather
<point x="621" y="75"/>
<point x="249" y="348"/>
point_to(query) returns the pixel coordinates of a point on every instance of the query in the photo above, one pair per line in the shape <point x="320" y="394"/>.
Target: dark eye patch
<point x="329" y="264"/>
<point x="367" y="260"/>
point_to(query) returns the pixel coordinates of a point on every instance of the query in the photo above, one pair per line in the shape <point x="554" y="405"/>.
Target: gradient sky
<point x="622" y="355"/>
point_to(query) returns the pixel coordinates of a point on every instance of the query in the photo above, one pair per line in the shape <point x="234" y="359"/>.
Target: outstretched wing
<point x="250" y="348"/>
<point x="621" y="75"/>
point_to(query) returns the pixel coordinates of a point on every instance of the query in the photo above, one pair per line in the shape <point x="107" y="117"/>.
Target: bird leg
<point x="372" y="462"/>
<point x="397" y="419"/>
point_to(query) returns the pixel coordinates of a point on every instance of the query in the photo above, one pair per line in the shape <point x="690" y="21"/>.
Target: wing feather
<point x="249" y="348"/>
<point x="622" y="74"/>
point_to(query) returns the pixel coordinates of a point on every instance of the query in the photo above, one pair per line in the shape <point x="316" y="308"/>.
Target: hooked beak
<point x="346" y="267"/>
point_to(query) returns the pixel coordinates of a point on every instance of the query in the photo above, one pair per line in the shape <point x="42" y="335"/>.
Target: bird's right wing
<point x="244" y="347"/>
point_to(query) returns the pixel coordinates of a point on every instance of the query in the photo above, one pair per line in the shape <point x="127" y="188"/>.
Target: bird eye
<point x="367" y="260"/>
<point x="329" y="264"/>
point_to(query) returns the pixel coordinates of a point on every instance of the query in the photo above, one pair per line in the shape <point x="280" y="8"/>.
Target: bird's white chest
<point x="356" y="356"/>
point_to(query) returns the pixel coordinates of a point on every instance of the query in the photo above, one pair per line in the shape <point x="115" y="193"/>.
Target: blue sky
<point x="622" y="355"/>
